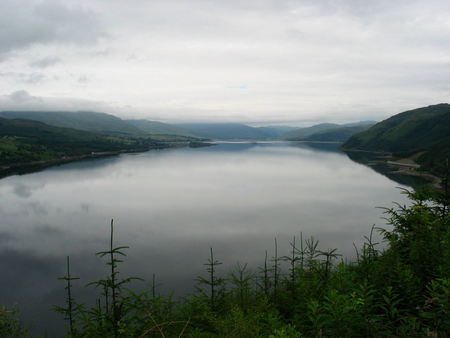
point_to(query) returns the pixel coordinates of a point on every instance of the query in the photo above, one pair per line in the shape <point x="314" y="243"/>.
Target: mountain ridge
<point x="81" y="120"/>
<point x="423" y="132"/>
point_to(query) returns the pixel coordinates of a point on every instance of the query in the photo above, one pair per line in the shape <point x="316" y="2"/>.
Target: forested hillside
<point x="26" y="141"/>
<point x="340" y="134"/>
<point x="423" y="133"/>
<point x="89" y="121"/>
<point x="327" y="132"/>
<point x="159" y="128"/>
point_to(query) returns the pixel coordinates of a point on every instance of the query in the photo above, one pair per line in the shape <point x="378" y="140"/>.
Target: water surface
<point x="171" y="206"/>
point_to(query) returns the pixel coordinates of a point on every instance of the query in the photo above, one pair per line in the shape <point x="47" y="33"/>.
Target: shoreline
<point x="403" y="166"/>
<point x="36" y="166"/>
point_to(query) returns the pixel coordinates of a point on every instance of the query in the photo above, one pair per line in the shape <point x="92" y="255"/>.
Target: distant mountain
<point x="23" y="141"/>
<point x="424" y="132"/>
<point x="360" y="123"/>
<point x="224" y="131"/>
<point x="275" y="131"/>
<point x="159" y="128"/>
<point x="230" y="131"/>
<point x="301" y="133"/>
<point x="88" y="121"/>
<point x="339" y="134"/>
<point x="327" y="132"/>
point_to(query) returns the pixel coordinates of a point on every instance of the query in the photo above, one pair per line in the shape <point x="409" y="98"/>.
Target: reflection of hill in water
<point x="375" y="162"/>
<point x="318" y="146"/>
<point x="245" y="145"/>
<point x="371" y="160"/>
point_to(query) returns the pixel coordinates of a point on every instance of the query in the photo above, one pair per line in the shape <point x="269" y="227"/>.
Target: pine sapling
<point x="213" y="281"/>
<point x="70" y="310"/>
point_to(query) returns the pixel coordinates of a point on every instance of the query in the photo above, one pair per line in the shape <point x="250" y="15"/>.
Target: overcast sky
<point x="271" y="61"/>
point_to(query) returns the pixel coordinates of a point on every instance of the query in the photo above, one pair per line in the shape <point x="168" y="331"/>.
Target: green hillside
<point x="89" y="121"/>
<point x="224" y="131"/>
<point x="327" y="132"/>
<point x="275" y="131"/>
<point x="340" y="134"/>
<point x="301" y="133"/>
<point x="25" y="141"/>
<point x="159" y="128"/>
<point x="423" y="131"/>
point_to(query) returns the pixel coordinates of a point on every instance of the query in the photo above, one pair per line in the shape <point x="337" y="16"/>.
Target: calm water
<point x="170" y="207"/>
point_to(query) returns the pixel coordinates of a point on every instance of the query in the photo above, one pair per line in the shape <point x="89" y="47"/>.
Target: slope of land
<point x="301" y="133"/>
<point x="25" y="143"/>
<point x="159" y="128"/>
<point x="339" y="134"/>
<point x="89" y="121"/>
<point x="421" y="134"/>
<point x="224" y="131"/>
<point x="275" y="131"/>
<point x="327" y="132"/>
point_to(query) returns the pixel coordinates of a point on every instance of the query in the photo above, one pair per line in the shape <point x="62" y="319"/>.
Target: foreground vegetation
<point x="402" y="291"/>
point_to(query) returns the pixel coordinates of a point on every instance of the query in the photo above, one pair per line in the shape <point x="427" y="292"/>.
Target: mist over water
<point x="170" y="207"/>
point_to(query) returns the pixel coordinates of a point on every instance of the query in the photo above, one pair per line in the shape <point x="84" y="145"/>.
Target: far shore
<point x="402" y="166"/>
<point x="34" y="166"/>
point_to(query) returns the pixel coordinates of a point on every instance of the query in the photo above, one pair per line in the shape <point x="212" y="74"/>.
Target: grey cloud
<point x="22" y="97"/>
<point x="26" y="23"/>
<point x="6" y="237"/>
<point x="177" y="59"/>
<point x="22" y="190"/>
<point x="45" y="62"/>
<point x="48" y="230"/>
<point x="83" y="79"/>
<point x="23" y="267"/>
<point x="25" y="190"/>
<point x="22" y="100"/>
<point x="37" y="208"/>
<point x="29" y="78"/>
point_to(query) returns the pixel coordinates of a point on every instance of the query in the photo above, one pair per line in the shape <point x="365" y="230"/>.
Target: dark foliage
<point x="402" y="291"/>
<point x="424" y="132"/>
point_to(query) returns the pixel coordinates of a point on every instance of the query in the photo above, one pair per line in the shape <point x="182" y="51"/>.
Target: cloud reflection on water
<point x="170" y="206"/>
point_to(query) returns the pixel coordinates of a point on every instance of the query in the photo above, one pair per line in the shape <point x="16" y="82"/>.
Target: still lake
<point x="170" y="206"/>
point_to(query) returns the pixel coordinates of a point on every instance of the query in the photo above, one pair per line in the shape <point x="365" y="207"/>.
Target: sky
<point x="294" y="62"/>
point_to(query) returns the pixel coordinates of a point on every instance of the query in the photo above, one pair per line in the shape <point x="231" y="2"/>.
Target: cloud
<point x="22" y="190"/>
<point x="45" y="62"/>
<point x="294" y="60"/>
<point x="24" y="23"/>
<point x="21" y="97"/>
<point x="25" y="190"/>
<point x="237" y="87"/>
<point x="83" y="79"/>
<point x="22" y="100"/>
<point x="30" y="78"/>
<point x="6" y="237"/>
<point x="48" y="230"/>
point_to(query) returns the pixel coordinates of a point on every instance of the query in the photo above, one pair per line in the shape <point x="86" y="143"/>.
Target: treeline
<point x="422" y="134"/>
<point x="402" y="291"/>
<point x="27" y="145"/>
<point x="25" y="141"/>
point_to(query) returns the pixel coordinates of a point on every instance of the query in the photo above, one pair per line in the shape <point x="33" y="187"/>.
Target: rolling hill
<point x="423" y="133"/>
<point x="301" y="133"/>
<point x="159" y="128"/>
<point x="224" y="131"/>
<point x="88" y="121"/>
<point x="275" y="131"/>
<point x="24" y="141"/>
<point x="339" y="134"/>
<point x="327" y="132"/>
